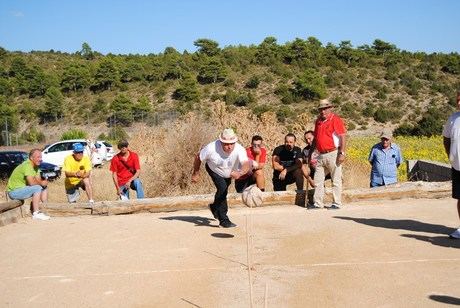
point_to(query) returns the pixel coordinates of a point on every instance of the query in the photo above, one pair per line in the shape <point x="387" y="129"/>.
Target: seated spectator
<point x="77" y="169"/>
<point x="257" y="155"/>
<point x="26" y="182"/>
<point x="287" y="165"/>
<point x="126" y="169"/>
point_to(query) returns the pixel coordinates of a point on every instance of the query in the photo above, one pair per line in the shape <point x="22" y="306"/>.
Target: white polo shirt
<point x="220" y="162"/>
<point x="452" y="130"/>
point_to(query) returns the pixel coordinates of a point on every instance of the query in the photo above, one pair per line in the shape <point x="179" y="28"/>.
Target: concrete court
<point x="368" y="254"/>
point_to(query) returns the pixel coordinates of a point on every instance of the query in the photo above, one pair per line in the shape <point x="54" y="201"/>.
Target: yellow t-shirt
<point x="72" y="165"/>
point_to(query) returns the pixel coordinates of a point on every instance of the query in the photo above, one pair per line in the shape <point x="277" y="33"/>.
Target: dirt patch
<point x="392" y="253"/>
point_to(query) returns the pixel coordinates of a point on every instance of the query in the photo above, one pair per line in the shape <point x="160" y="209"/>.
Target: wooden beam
<point x="8" y="205"/>
<point x="195" y="202"/>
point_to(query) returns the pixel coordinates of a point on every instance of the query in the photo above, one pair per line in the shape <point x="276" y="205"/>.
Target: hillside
<point x="372" y="86"/>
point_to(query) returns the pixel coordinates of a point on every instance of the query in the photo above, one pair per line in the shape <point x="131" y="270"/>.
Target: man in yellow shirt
<point x="77" y="169"/>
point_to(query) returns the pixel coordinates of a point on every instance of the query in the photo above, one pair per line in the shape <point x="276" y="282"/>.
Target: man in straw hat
<point x="330" y="143"/>
<point x="222" y="158"/>
<point x="451" y="133"/>
<point x="385" y="158"/>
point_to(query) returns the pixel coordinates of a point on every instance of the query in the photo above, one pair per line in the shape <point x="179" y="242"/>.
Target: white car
<point x="105" y="149"/>
<point x="56" y="153"/>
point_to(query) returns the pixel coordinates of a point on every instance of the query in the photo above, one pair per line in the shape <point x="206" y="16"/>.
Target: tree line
<point x="52" y="86"/>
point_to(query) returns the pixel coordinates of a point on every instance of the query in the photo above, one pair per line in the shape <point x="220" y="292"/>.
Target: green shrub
<point x="74" y="134"/>
<point x="404" y="129"/>
<point x="244" y="99"/>
<point x="369" y="110"/>
<point x="253" y="82"/>
<point x="283" y="113"/>
<point x="260" y="109"/>
<point x="117" y="133"/>
<point x="230" y="97"/>
<point x="384" y="115"/>
<point x="351" y="126"/>
<point x="33" y="135"/>
<point x="310" y="85"/>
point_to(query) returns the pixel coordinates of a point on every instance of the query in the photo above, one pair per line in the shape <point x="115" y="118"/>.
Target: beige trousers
<point x="327" y="163"/>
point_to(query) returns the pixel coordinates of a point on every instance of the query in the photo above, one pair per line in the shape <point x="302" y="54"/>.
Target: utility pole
<point x="7" y="134"/>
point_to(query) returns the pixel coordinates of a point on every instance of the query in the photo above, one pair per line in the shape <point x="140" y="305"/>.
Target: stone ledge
<point x="196" y="202"/>
<point x="12" y="211"/>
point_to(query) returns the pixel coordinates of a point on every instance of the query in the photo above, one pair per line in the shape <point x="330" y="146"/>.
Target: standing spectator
<point x="77" y="169"/>
<point x="287" y="164"/>
<point x="222" y="158"/>
<point x="385" y="158"/>
<point x="451" y="133"/>
<point x="309" y="158"/>
<point x="26" y="182"/>
<point x="257" y="155"/>
<point x="330" y="143"/>
<point x="126" y="169"/>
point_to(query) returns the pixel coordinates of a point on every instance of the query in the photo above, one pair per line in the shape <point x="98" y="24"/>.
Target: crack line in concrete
<point x="244" y="267"/>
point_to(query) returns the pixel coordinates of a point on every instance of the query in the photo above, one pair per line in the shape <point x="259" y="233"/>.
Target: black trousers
<point x="220" y="205"/>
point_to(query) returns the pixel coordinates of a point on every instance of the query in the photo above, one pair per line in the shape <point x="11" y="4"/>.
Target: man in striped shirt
<point x="385" y="158"/>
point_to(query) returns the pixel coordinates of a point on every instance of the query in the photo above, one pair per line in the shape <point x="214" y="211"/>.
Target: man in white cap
<point x="222" y="158"/>
<point x="451" y="133"/>
<point x="385" y="158"/>
<point x="330" y="143"/>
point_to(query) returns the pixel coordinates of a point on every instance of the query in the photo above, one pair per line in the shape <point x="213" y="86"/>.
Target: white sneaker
<point x="40" y="216"/>
<point x="91" y="201"/>
<point x="455" y="234"/>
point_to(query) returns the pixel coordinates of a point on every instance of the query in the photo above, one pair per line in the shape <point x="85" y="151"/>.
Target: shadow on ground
<point x="443" y="241"/>
<point x="222" y="235"/>
<point x="445" y="299"/>
<point x="411" y="225"/>
<point x="197" y="220"/>
<point x="402" y="224"/>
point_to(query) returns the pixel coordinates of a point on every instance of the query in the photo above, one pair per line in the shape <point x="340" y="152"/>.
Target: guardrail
<point x="428" y="171"/>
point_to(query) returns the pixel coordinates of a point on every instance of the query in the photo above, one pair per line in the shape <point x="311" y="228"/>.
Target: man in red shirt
<point x="257" y="155"/>
<point x="330" y="143"/>
<point x="126" y="169"/>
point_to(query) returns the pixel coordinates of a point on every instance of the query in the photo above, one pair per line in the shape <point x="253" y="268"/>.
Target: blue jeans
<point x="135" y="185"/>
<point x="25" y="192"/>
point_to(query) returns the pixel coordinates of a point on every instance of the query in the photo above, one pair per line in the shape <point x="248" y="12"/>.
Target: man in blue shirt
<point x="385" y="158"/>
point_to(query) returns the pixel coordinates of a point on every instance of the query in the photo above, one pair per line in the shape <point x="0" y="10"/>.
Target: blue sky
<point x="142" y="26"/>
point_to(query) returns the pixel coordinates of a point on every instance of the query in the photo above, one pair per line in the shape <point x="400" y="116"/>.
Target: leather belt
<point x="328" y="151"/>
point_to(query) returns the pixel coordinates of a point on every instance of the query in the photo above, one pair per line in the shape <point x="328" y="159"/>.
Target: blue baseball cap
<point x="78" y="148"/>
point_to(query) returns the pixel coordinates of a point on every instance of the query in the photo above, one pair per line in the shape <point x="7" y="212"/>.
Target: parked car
<point x="11" y="159"/>
<point x="106" y="149"/>
<point x="56" y="153"/>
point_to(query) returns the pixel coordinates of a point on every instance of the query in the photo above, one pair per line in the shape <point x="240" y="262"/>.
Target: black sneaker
<point x="227" y="224"/>
<point x="333" y="207"/>
<point x="214" y="213"/>
<point x="313" y="207"/>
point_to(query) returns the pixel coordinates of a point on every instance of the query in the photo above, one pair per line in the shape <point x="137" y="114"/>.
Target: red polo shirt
<point x="251" y="156"/>
<point x="123" y="173"/>
<point x="327" y="133"/>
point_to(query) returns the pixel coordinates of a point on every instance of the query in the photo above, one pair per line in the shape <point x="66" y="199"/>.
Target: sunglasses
<point x="256" y="145"/>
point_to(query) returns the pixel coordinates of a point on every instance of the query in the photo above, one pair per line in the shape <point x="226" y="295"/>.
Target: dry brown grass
<point x="167" y="153"/>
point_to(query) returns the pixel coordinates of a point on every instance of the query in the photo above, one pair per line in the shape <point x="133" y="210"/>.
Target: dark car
<point x="11" y="159"/>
